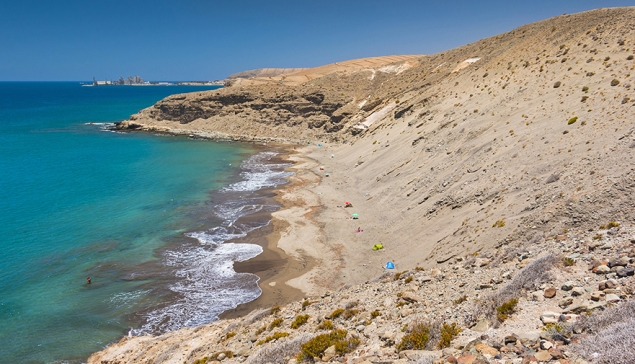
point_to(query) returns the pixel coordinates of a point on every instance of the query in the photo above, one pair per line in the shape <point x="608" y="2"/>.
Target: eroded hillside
<point x="506" y="139"/>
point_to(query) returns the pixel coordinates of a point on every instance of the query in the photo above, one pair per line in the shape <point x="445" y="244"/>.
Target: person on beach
<point x="88" y="280"/>
<point x="359" y="230"/>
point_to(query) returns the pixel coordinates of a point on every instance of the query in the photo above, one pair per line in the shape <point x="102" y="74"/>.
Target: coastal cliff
<point x="465" y="164"/>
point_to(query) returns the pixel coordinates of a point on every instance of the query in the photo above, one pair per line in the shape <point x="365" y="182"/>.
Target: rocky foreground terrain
<point x="557" y="282"/>
<point x="502" y="169"/>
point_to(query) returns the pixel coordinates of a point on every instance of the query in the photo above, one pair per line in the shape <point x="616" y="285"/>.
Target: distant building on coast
<point x="138" y="81"/>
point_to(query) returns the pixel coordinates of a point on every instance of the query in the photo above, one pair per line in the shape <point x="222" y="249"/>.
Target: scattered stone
<point x="626" y="272"/>
<point x="612" y="298"/>
<point x="486" y="350"/>
<point x="406" y="312"/>
<point x="597" y="295"/>
<point x="565" y="302"/>
<point x="549" y="317"/>
<point x="466" y="359"/>
<point x="577" y="291"/>
<point x="529" y="335"/>
<point x="415" y="355"/>
<point x="510" y="339"/>
<point x="546" y="345"/>
<point x="578" y="308"/>
<point x="556" y="353"/>
<point x="567" y="286"/>
<point x="543" y="355"/>
<point x="329" y="353"/>
<point x="602" y="269"/>
<point x="481" y="262"/>
<point x="481" y="326"/>
<point x="451" y="359"/>
<point x="537" y="296"/>
<point x="550" y="292"/>
<point x="527" y="359"/>
<point x="410" y="297"/>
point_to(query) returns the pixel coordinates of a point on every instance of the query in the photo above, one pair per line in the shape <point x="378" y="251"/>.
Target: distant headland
<point x="138" y="81"/>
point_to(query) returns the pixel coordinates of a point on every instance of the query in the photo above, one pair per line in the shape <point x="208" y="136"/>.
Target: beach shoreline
<point x="284" y="267"/>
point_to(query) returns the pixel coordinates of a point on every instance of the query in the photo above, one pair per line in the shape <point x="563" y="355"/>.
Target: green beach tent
<point x="378" y="247"/>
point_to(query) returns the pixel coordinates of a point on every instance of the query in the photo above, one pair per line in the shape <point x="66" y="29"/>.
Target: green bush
<point x="346" y="346"/>
<point x="275" y="323"/>
<point x="568" y="262"/>
<point x="274" y="310"/>
<point x="375" y="314"/>
<point x="305" y="304"/>
<point x="399" y="274"/>
<point x="348" y="314"/>
<point x="585" y="89"/>
<point x="613" y="224"/>
<point x="499" y="224"/>
<point x="275" y="336"/>
<point x="336" y="313"/>
<point x="448" y="333"/>
<point x="325" y="325"/>
<point x="630" y="58"/>
<point x="572" y="120"/>
<point x="503" y="311"/>
<point x="557" y="84"/>
<point x="460" y="300"/>
<point x="315" y="347"/>
<point x="615" y="82"/>
<point x="299" y="321"/>
<point x="416" y="339"/>
<point x="207" y="359"/>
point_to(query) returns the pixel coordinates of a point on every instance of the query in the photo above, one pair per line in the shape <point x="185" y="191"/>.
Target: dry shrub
<point x="422" y="336"/>
<point x="507" y="308"/>
<point x="417" y="338"/>
<point x="299" y="321"/>
<point x="214" y="357"/>
<point x="610" y="335"/>
<point x="275" y="323"/>
<point x="278" y="352"/>
<point x="597" y="322"/>
<point x="336" y="313"/>
<point x="275" y="336"/>
<point x="325" y="325"/>
<point x="528" y="278"/>
<point x="317" y="345"/>
<point x="448" y="333"/>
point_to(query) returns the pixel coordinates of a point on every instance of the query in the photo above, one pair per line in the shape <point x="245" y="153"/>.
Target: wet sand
<point x="273" y="266"/>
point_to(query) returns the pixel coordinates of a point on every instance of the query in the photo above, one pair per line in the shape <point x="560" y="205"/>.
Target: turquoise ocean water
<point x="144" y="216"/>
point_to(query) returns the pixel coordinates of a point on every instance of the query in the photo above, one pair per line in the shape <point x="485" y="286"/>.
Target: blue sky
<point x="208" y="39"/>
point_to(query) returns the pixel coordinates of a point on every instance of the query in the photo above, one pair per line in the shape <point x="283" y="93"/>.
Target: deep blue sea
<point x="147" y="217"/>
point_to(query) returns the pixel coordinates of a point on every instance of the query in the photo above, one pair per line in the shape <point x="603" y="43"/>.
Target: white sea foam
<point x="258" y="174"/>
<point x="208" y="284"/>
<point x="209" y="287"/>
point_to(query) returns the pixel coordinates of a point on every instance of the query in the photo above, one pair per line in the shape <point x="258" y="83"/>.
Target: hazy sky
<point x="209" y="39"/>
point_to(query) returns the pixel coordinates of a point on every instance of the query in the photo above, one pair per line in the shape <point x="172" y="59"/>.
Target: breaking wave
<point x="207" y="284"/>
